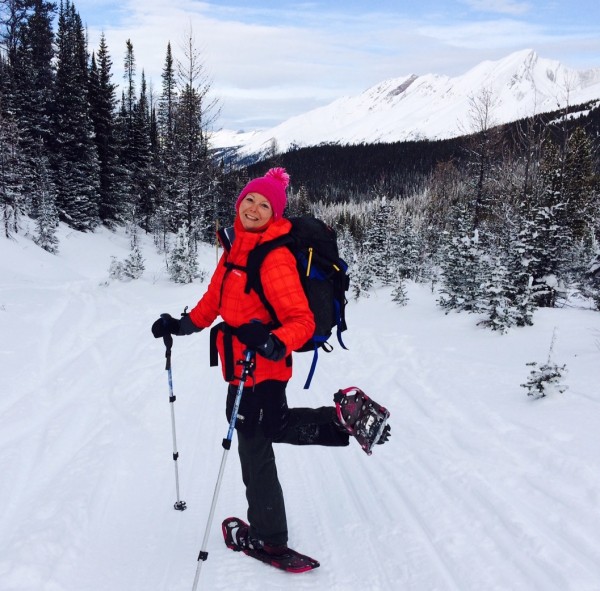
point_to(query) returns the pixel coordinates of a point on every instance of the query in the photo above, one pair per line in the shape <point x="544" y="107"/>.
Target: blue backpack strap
<point x="320" y="343"/>
<point x="341" y="324"/>
<point x="313" y="366"/>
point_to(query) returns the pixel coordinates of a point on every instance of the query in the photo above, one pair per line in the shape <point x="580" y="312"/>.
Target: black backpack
<point x="323" y="274"/>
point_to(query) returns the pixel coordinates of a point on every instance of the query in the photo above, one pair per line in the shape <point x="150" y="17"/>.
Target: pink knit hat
<point x="272" y="186"/>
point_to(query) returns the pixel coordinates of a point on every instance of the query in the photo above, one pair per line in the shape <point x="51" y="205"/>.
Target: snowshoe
<point x="362" y="417"/>
<point x="237" y="538"/>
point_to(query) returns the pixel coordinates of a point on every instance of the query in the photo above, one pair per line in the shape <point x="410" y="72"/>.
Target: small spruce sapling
<point x="132" y="267"/>
<point x="115" y="270"/>
<point x="182" y="261"/>
<point x="547" y="378"/>
<point x="399" y="293"/>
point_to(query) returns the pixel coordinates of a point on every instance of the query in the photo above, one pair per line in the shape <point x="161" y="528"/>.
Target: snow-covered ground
<point x="481" y="488"/>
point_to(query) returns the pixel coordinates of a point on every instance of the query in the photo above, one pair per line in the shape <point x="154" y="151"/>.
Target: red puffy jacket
<point x="225" y="297"/>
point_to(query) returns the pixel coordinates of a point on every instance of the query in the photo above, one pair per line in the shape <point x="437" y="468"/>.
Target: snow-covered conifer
<point x="462" y="261"/>
<point x="380" y="237"/>
<point x="501" y="313"/>
<point x="133" y="265"/>
<point x="399" y="293"/>
<point x="551" y="240"/>
<point x="547" y="378"/>
<point x="183" y="264"/>
<point x="46" y="214"/>
<point x="406" y="248"/>
<point x="361" y="274"/>
<point x="115" y="269"/>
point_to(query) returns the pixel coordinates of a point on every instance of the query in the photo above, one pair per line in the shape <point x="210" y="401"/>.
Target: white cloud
<point x="499" y="6"/>
<point x="269" y="64"/>
<point x="485" y="34"/>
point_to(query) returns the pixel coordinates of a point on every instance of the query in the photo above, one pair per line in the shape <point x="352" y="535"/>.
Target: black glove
<point x="165" y="325"/>
<point x="257" y="338"/>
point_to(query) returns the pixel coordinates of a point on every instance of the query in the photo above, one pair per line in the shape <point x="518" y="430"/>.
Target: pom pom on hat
<point x="272" y="186"/>
<point x="279" y="174"/>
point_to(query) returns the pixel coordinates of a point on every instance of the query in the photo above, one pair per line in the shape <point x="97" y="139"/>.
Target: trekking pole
<point x="168" y="339"/>
<point x="247" y="366"/>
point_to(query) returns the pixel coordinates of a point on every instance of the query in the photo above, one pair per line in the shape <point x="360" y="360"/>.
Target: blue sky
<point x="268" y="61"/>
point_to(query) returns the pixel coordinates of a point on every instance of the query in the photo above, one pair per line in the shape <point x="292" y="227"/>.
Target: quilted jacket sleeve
<point x="284" y="292"/>
<point x="207" y="309"/>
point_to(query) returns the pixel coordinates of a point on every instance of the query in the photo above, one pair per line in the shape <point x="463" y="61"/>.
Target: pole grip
<point x="168" y="341"/>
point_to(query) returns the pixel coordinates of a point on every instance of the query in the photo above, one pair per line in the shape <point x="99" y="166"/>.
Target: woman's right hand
<point x="165" y="325"/>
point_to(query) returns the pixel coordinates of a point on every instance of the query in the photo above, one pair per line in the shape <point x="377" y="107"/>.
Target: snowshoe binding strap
<point x="236" y="535"/>
<point x="361" y="417"/>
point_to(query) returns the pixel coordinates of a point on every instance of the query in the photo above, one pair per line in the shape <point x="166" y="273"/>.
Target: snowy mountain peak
<point x="429" y="106"/>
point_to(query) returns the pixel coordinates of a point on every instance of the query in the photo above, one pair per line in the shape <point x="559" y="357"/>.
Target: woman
<point x="264" y="416"/>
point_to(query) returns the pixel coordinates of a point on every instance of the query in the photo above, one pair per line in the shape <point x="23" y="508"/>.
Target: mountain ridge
<point x="429" y="106"/>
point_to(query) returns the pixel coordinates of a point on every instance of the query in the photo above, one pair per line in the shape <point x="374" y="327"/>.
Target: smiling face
<point x="255" y="211"/>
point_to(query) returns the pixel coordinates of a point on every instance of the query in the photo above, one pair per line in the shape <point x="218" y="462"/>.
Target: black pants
<point x="263" y="419"/>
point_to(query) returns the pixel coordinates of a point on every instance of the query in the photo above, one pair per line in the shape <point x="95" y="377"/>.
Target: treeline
<point x="337" y="173"/>
<point x="71" y="149"/>
<point x="500" y="233"/>
<point x="500" y="221"/>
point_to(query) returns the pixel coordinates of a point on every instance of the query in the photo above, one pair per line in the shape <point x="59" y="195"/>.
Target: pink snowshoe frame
<point x="361" y="428"/>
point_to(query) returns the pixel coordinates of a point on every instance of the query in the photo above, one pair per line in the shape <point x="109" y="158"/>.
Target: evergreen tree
<point x="581" y="198"/>
<point x="462" y="261"/>
<point x="133" y="266"/>
<point x="547" y="378"/>
<point x="13" y="19"/>
<point x="46" y="214"/>
<point x="298" y="203"/>
<point x="361" y="271"/>
<point x="75" y="159"/>
<point x="592" y="283"/>
<point x="399" y="294"/>
<point x="551" y="242"/>
<point x="140" y="161"/>
<point x="11" y="163"/>
<point x="129" y="95"/>
<point x="501" y="313"/>
<point x="521" y="259"/>
<point x="378" y="242"/>
<point x="29" y="86"/>
<point x="345" y="242"/>
<point x="167" y="183"/>
<point x="33" y="73"/>
<point x="195" y="203"/>
<point x="407" y="250"/>
<point x="168" y="100"/>
<point x="124" y="131"/>
<point x="103" y="102"/>
<point x="183" y="264"/>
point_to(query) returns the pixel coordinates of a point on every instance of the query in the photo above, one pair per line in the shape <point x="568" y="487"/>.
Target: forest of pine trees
<point x="72" y="150"/>
<point x="499" y="222"/>
<point x="500" y="239"/>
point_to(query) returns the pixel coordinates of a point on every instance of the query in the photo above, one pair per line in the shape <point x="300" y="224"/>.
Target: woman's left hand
<point x="257" y="337"/>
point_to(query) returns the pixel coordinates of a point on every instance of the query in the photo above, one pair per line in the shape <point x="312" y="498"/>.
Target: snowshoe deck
<point x="363" y="418"/>
<point x="235" y="533"/>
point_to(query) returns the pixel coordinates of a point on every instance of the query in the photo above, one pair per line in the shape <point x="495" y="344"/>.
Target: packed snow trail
<point x="479" y="487"/>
